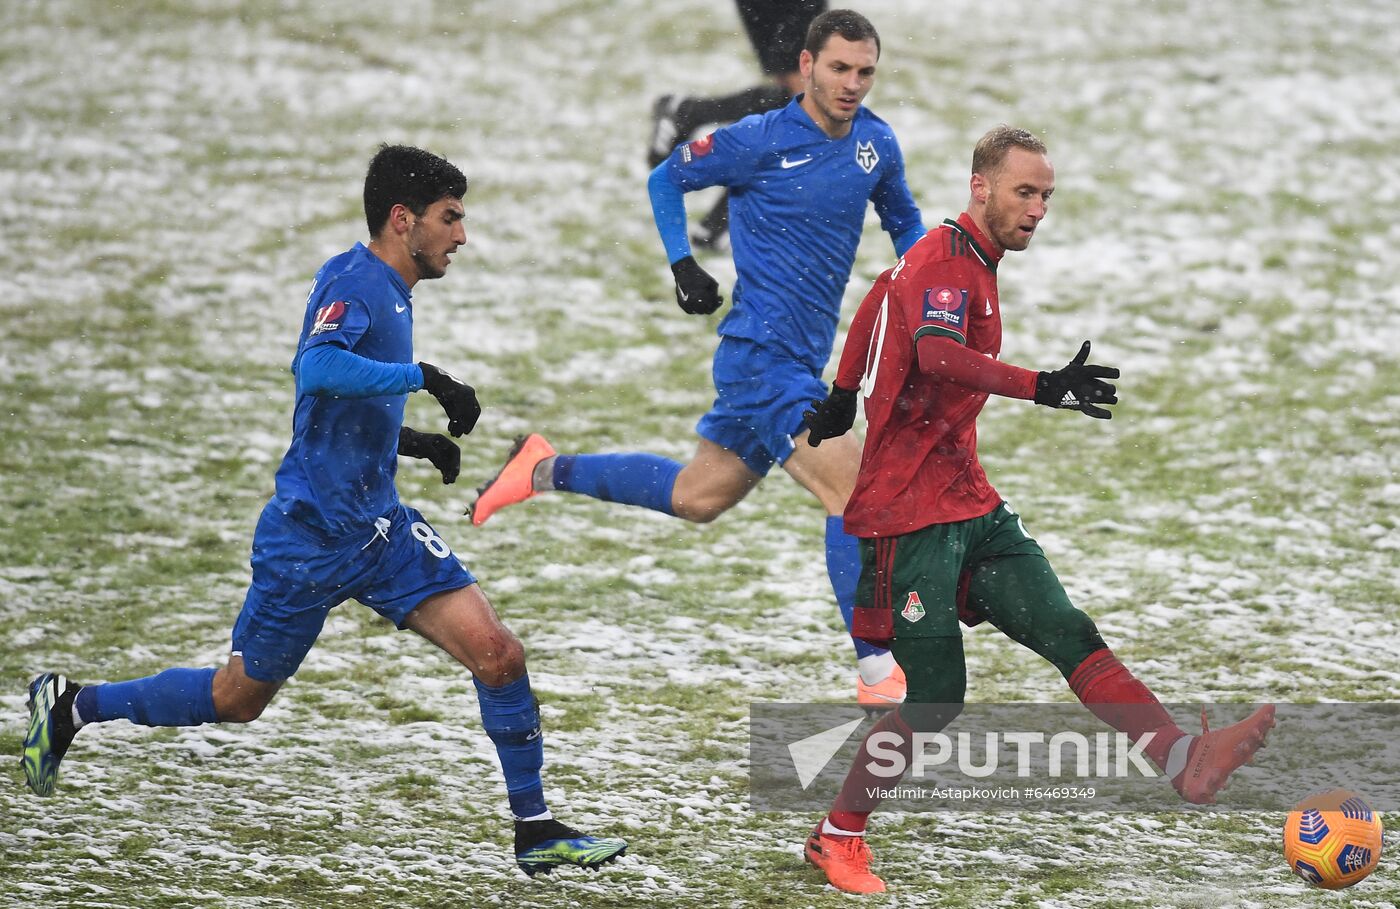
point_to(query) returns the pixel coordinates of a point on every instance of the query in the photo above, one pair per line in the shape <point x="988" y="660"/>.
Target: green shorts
<point x="919" y="579"/>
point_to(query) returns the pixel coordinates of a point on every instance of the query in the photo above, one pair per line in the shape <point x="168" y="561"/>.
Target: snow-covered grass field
<point x="172" y="174"/>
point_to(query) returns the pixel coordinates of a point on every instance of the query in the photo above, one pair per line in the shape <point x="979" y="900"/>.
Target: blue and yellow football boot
<point x="542" y="846"/>
<point x="50" y="732"/>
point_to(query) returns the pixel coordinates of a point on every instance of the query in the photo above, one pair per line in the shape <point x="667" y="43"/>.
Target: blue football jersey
<point x="797" y="202"/>
<point x="338" y="473"/>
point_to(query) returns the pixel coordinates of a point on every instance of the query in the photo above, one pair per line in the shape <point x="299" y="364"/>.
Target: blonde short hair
<point x="991" y="149"/>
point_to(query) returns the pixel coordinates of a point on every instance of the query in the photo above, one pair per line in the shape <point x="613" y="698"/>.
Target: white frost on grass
<point x="1222" y="231"/>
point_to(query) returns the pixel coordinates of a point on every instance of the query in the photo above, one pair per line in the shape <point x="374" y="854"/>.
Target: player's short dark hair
<point x="992" y="148"/>
<point x="408" y="176"/>
<point x="847" y="23"/>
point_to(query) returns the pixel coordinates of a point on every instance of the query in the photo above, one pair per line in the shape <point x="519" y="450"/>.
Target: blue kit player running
<point x="336" y="530"/>
<point x="799" y="180"/>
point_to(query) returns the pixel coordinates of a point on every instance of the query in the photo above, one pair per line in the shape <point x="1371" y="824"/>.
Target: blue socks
<point x="185" y="697"/>
<point x="843" y="567"/>
<point x="632" y="479"/>
<point x="512" y="720"/>
<point x="647" y="480"/>
<point x="175" y="697"/>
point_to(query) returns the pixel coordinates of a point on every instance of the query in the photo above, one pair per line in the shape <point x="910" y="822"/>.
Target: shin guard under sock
<point x="175" y="697"/>
<point x="1116" y="696"/>
<point x="635" y="478"/>
<point x="512" y="720"/>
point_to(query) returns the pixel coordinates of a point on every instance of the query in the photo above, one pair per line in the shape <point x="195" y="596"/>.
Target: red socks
<point x="1103" y="684"/>
<point x="854" y="803"/>
<point x="1114" y="695"/>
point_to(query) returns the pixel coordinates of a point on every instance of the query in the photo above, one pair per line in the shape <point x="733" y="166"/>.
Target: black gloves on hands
<point x="458" y="399"/>
<point x="441" y="450"/>
<point x="696" y="292"/>
<point x="830" y="418"/>
<point x="1078" y="386"/>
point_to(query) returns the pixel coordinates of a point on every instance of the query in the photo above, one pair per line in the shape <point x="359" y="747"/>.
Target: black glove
<point x="1078" y="386"/>
<point x="457" y="398"/>
<point x="830" y="418"/>
<point x="696" y="292"/>
<point x="441" y="450"/>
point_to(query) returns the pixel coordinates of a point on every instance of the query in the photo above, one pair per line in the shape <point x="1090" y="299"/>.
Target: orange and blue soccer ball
<point x="1332" y="839"/>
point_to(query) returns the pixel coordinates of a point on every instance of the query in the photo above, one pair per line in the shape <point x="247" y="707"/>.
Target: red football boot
<point x="845" y="860"/>
<point x="1214" y="755"/>
<point x="885" y="695"/>
<point x="515" y="481"/>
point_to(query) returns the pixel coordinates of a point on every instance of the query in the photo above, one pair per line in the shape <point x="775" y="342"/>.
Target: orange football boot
<point x="885" y="695"/>
<point x="514" y="482"/>
<point x="1217" y="754"/>
<point x="845" y="860"/>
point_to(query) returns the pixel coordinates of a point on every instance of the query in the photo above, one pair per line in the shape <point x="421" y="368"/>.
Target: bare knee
<point x="502" y="664"/>
<point x="712" y="483"/>
<point x="701" y="510"/>
<point x="238" y="698"/>
<point x="241" y="707"/>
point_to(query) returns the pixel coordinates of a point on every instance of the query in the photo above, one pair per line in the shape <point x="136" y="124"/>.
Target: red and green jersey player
<point x="936" y="540"/>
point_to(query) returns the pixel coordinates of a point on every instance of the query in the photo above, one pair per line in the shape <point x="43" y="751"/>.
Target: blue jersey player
<point x="799" y="180"/>
<point x="336" y="530"/>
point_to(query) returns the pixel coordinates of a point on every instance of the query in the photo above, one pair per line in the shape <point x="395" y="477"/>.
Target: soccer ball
<point x="1332" y="839"/>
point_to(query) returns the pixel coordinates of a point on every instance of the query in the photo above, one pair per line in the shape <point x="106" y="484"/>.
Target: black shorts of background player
<point x="777" y="30"/>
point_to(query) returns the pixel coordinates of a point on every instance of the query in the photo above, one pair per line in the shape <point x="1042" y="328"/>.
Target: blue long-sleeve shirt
<point x="797" y="202"/>
<point x="354" y="370"/>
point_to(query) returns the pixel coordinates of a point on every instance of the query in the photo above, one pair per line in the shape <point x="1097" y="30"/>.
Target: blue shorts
<point x="299" y="576"/>
<point x="760" y="394"/>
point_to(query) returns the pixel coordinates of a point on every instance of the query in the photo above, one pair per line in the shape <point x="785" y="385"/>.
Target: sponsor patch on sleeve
<point x="946" y="306"/>
<point x="697" y="149"/>
<point x="328" y="318"/>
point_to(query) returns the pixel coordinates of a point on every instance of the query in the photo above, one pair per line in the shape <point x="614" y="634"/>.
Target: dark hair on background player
<point x="992" y="148"/>
<point x="847" y="23"/>
<point x="412" y="177"/>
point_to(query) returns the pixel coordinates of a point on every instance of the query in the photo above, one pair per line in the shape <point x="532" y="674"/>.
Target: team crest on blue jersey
<point x="327" y="318"/>
<point x="866" y="156"/>
<point x="697" y="149"/>
<point x="945" y="305"/>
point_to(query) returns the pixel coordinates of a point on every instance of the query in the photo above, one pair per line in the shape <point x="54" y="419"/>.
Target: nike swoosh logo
<point x="787" y="163"/>
<point x="399" y="307"/>
<point x="684" y="295"/>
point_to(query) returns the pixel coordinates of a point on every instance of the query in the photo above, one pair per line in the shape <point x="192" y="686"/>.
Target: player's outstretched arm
<point x="439" y="449"/>
<point x="458" y="399"/>
<point x="951" y="361"/>
<point x="1078" y="386"/>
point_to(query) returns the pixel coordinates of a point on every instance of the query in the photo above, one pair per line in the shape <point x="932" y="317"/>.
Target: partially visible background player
<point x="776" y="29"/>
<point x="936" y="538"/>
<point x="800" y="179"/>
<point x="335" y="528"/>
